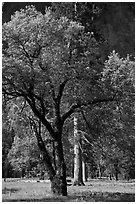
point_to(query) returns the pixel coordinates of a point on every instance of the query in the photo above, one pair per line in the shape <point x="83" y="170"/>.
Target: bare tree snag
<point x="78" y="179"/>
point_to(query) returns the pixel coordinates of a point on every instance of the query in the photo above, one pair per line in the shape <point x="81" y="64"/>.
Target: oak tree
<point x="46" y="62"/>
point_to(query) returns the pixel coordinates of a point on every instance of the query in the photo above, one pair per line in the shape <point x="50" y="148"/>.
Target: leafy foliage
<point x="112" y="127"/>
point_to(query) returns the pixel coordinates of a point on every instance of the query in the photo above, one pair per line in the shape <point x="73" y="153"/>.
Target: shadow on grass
<point x="10" y="190"/>
<point x="107" y="197"/>
<point x="86" y="196"/>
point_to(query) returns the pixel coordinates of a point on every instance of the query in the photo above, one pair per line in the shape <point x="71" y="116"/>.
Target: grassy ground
<point x="93" y="191"/>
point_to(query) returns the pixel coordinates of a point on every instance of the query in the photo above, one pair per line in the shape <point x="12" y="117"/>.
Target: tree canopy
<point x="43" y="55"/>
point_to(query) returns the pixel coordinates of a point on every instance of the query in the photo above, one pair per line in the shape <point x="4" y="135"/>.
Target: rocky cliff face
<point x="117" y="25"/>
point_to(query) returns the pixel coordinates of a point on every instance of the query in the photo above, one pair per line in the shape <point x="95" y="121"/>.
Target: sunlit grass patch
<point x="93" y="191"/>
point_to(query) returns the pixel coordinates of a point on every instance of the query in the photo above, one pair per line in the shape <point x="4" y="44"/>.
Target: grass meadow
<point x="17" y="190"/>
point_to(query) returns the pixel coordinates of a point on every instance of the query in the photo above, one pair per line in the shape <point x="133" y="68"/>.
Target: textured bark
<point x="59" y="183"/>
<point x="78" y="179"/>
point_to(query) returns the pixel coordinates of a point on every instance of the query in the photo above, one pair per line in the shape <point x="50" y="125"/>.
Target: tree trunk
<point x="116" y="173"/>
<point x="110" y="177"/>
<point x="84" y="167"/>
<point x="72" y="173"/>
<point x="59" y="182"/>
<point x="56" y="169"/>
<point x="116" y="170"/>
<point x="116" y="176"/>
<point x="54" y="155"/>
<point x="78" y="179"/>
<point x="99" y="171"/>
<point x="5" y="170"/>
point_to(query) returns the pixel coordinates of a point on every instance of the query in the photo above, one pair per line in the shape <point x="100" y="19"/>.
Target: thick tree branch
<point x="57" y="103"/>
<point x="41" y="145"/>
<point x="61" y="89"/>
<point x="49" y="80"/>
<point x="70" y="112"/>
<point x="30" y="98"/>
<point x="31" y="102"/>
<point x="25" y="52"/>
<point x="86" y="104"/>
<point x="41" y="103"/>
<point x="85" y="119"/>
